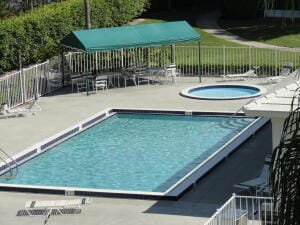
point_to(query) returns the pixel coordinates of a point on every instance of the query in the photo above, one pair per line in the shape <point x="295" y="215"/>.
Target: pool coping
<point x="185" y="92"/>
<point x="172" y="193"/>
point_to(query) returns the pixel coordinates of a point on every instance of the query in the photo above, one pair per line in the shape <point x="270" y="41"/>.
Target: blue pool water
<point x="136" y="152"/>
<point x="229" y="91"/>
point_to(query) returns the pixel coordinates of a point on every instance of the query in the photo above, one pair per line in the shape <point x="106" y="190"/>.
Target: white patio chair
<point x="101" y="83"/>
<point x="242" y="76"/>
<point x="143" y="75"/>
<point x="169" y="74"/>
<point x="129" y="74"/>
<point x="75" y="79"/>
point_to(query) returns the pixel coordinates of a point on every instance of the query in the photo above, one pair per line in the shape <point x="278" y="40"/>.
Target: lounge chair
<point x="29" y="109"/>
<point x="285" y="71"/>
<point x="55" y="207"/>
<point x="259" y="183"/>
<point x="242" y="76"/>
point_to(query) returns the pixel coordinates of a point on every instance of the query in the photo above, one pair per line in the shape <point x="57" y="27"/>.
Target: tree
<point x="285" y="168"/>
<point x="87" y="14"/>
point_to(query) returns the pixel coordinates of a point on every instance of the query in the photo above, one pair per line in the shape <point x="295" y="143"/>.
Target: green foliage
<point x="285" y="169"/>
<point x="35" y="35"/>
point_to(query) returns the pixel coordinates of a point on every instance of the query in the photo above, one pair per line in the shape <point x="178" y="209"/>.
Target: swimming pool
<point x="133" y="152"/>
<point x="223" y="92"/>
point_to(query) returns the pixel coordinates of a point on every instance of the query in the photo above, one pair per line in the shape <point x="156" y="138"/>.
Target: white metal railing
<point x="22" y="86"/>
<point x="214" y="61"/>
<point x="28" y="83"/>
<point x="243" y="210"/>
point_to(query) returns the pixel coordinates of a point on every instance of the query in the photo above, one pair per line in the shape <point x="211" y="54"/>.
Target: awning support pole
<point x="172" y="54"/>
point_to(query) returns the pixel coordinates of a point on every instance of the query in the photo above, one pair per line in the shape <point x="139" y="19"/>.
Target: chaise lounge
<point x="242" y="76"/>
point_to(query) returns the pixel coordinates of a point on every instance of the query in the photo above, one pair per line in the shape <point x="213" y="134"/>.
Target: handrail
<point x="254" y="208"/>
<point x="8" y="164"/>
<point x="220" y="209"/>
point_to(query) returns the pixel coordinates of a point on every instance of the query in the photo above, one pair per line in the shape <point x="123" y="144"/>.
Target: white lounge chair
<point x="57" y="204"/>
<point x="242" y="76"/>
<point x="285" y="71"/>
<point x="55" y="207"/>
<point x="29" y="109"/>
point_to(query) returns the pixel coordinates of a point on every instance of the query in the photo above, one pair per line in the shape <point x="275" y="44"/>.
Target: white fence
<point x="214" y="61"/>
<point x="24" y="85"/>
<point x="243" y="210"/>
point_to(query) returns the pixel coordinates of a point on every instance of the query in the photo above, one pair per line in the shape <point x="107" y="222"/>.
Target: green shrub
<point x="35" y="35"/>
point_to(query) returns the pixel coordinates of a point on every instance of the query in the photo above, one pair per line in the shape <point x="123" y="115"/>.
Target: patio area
<point x="63" y="109"/>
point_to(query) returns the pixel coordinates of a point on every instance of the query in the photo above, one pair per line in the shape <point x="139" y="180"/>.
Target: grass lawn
<point x="269" y="31"/>
<point x="206" y="39"/>
<point x="235" y="57"/>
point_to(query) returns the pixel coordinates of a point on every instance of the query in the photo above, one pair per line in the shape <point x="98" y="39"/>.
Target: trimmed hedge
<point x="35" y="35"/>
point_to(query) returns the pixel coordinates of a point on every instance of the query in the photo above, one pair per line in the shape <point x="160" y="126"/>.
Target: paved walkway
<point x="64" y="109"/>
<point x="209" y="23"/>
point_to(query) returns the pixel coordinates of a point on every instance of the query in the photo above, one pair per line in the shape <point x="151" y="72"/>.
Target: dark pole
<point x="172" y="55"/>
<point x="199" y="61"/>
<point x="62" y="67"/>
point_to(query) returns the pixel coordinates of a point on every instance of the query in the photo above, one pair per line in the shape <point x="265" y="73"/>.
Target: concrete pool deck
<point x="63" y="109"/>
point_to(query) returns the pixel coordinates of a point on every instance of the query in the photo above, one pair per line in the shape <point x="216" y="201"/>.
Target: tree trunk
<point x="87" y="12"/>
<point x="31" y="4"/>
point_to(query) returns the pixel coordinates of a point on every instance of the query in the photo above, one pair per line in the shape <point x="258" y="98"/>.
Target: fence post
<point x="276" y="61"/>
<point x="22" y="86"/>
<point x="96" y="56"/>
<point x="224" y="60"/>
<point x="8" y="94"/>
<point x="234" y="206"/>
<point x="250" y="58"/>
<point x="37" y="84"/>
<point x="122" y="58"/>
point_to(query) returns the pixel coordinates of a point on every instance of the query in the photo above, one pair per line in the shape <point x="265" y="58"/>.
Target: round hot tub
<point x="222" y="92"/>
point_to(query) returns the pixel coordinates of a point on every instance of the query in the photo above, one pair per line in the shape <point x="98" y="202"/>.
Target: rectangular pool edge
<point x="173" y="193"/>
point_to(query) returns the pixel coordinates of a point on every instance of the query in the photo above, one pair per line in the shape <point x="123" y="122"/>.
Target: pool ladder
<point x="8" y="166"/>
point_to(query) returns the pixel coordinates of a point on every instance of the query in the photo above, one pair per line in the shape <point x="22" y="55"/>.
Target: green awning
<point x="155" y="34"/>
